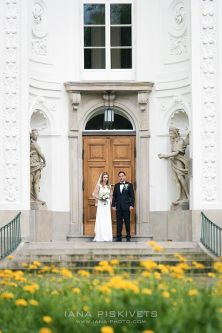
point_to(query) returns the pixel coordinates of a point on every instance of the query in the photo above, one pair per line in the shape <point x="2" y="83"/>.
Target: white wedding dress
<point x="103" y="225"/>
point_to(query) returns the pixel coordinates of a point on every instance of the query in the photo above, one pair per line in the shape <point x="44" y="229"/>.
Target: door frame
<point x="113" y="133"/>
<point x="132" y="99"/>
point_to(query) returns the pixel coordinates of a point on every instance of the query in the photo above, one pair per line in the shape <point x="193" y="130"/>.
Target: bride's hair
<point x="102" y="175"/>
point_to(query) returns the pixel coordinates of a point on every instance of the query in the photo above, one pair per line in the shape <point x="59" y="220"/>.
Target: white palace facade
<point x="155" y="64"/>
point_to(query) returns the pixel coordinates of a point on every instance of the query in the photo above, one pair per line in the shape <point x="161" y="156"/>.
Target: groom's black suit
<point x="122" y="201"/>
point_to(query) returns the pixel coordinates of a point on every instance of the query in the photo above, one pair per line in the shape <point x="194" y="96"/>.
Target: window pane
<point x="94" y="58"/>
<point x="121" y="58"/>
<point x="120" y="14"/>
<point x="94" y="36"/>
<point x="94" y="14"/>
<point x="121" y="36"/>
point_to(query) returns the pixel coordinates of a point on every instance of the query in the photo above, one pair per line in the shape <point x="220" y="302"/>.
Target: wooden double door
<point x="111" y="154"/>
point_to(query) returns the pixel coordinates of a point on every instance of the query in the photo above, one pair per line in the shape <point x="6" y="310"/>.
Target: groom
<point x="123" y="204"/>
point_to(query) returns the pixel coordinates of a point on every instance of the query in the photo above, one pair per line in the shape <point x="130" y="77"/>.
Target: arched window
<point x="118" y="122"/>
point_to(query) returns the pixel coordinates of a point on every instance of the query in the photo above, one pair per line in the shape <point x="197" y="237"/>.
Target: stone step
<point x="81" y="238"/>
<point x="86" y="255"/>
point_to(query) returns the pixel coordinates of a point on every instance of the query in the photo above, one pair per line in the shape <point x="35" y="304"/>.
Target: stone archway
<point x="132" y="97"/>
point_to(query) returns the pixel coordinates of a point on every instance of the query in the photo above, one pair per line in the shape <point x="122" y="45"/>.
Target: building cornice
<point x="102" y="86"/>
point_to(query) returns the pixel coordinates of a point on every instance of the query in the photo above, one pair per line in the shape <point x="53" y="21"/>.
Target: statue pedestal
<point x="181" y="205"/>
<point x="38" y="205"/>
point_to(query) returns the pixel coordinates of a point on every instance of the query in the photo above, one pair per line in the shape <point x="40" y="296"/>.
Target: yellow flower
<point x="158" y="248"/>
<point x="103" y="263"/>
<point x="104" y="267"/>
<point x="148" y="264"/>
<point x="146" y="274"/>
<point x="189" y="279"/>
<point x="76" y="290"/>
<point x="211" y="274"/>
<point x="54" y="292"/>
<point x="21" y="302"/>
<point x="163" y="268"/>
<point x="45" y="269"/>
<point x="197" y="265"/>
<point x="7" y="295"/>
<point x="95" y="282"/>
<point x="166" y="294"/>
<point x="12" y="284"/>
<point x="180" y="257"/>
<point x="85" y="308"/>
<point x="107" y="329"/>
<point x="31" y="288"/>
<point x="33" y="302"/>
<point x="173" y="290"/>
<point x="146" y="291"/>
<point x="45" y="330"/>
<point x="157" y="275"/>
<point x="148" y="331"/>
<point x="36" y="263"/>
<point x="47" y="319"/>
<point x="104" y="289"/>
<point x="65" y="272"/>
<point x="220" y="310"/>
<point x="117" y="282"/>
<point x="162" y="286"/>
<point x="10" y="257"/>
<point x="151" y="243"/>
<point x="24" y="264"/>
<point x="218" y="266"/>
<point x="114" y="262"/>
<point x="83" y="273"/>
<point x="193" y="292"/>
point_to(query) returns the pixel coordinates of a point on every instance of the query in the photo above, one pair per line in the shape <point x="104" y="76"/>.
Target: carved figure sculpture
<point x="179" y="163"/>
<point x="37" y="163"/>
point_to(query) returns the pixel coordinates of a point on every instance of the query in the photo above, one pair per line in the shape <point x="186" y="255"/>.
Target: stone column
<point x="76" y="210"/>
<point x="142" y="166"/>
<point x="206" y="136"/>
<point x="14" y="127"/>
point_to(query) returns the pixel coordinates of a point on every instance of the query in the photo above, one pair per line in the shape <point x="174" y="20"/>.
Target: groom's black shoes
<point x="119" y="239"/>
<point x="128" y="239"/>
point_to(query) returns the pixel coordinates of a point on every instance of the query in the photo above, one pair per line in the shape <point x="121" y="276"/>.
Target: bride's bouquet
<point x="104" y="196"/>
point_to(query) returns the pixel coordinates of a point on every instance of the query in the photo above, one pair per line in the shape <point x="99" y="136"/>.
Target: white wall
<point x="171" y="93"/>
<point x="161" y="55"/>
<point x="51" y="31"/>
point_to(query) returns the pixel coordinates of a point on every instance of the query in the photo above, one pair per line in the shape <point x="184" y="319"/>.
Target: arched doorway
<point x="107" y="147"/>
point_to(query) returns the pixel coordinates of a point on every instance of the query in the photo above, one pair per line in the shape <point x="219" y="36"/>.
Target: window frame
<point x="108" y="73"/>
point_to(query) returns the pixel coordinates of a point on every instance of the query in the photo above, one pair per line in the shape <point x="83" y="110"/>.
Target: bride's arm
<point x="111" y="195"/>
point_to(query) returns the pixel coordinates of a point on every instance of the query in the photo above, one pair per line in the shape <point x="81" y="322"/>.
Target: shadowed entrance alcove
<point x="109" y="144"/>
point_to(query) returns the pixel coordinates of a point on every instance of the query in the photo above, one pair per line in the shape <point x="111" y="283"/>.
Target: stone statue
<point x="37" y="163"/>
<point x="179" y="164"/>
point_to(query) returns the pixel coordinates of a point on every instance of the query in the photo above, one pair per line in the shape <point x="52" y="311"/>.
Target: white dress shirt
<point x="121" y="187"/>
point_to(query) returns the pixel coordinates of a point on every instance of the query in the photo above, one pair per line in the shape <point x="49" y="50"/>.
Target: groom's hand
<point x="131" y="208"/>
<point x="113" y="208"/>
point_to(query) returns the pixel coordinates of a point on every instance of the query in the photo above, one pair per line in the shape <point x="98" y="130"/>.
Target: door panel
<point x="111" y="154"/>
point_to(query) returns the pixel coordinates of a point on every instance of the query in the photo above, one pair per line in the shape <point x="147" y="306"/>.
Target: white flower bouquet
<point x="104" y="196"/>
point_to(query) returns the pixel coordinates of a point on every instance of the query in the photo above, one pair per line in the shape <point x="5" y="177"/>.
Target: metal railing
<point x="10" y="236"/>
<point x="211" y="235"/>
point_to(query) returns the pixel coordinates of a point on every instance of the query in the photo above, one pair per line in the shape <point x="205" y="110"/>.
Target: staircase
<point x="86" y="255"/>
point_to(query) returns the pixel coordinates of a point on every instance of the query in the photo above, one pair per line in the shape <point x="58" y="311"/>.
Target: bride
<point x="103" y="196"/>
